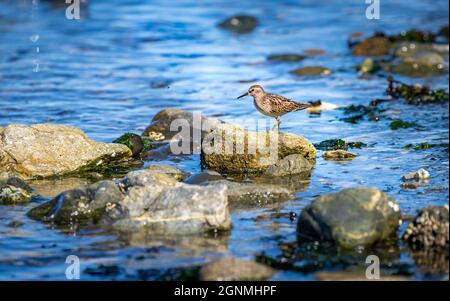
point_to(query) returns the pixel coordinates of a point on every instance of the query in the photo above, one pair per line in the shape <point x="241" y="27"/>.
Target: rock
<point x="289" y="57"/>
<point x="80" y="206"/>
<point x="337" y="144"/>
<point x="430" y="229"/>
<point x="162" y="122"/>
<point x="419" y="175"/>
<point x="311" y="71"/>
<point x="314" y="52"/>
<point x="134" y="142"/>
<point x="240" y="24"/>
<point x="369" y="66"/>
<point x="350" y="218"/>
<point x="323" y="106"/>
<point x="235" y="269"/>
<point x="289" y="165"/>
<point x="205" y="176"/>
<point x="45" y="150"/>
<point x="172" y="171"/>
<point x="231" y="149"/>
<point x="142" y="200"/>
<point x="253" y="194"/>
<point x="374" y="46"/>
<point x="160" y="204"/>
<point x="13" y="190"/>
<point x="339" y="155"/>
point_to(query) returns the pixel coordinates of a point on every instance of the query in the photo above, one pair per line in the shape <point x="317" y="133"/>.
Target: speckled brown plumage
<point x="273" y="105"/>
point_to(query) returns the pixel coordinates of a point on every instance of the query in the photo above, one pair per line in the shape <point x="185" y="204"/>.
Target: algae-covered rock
<point x="142" y="200"/>
<point x="338" y="144"/>
<point x="415" y="94"/>
<point x="45" y="150"/>
<point x="374" y="46"/>
<point x="239" y="24"/>
<point x="235" y="269"/>
<point x="350" y="218"/>
<point x="135" y="143"/>
<point x="312" y="71"/>
<point x="231" y="149"/>
<point x="13" y="189"/>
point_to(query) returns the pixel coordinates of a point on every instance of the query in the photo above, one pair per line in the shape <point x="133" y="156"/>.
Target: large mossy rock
<point x="142" y="200"/>
<point x="350" y="218"/>
<point x="234" y="150"/>
<point x="45" y="150"/>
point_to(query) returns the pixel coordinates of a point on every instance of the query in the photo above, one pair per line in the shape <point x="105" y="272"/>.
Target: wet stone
<point x="240" y="24"/>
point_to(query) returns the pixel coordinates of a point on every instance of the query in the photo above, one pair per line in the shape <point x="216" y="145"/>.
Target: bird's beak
<point x="243" y="95"/>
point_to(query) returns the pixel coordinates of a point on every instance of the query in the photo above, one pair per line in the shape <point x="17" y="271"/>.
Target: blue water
<point x="110" y="72"/>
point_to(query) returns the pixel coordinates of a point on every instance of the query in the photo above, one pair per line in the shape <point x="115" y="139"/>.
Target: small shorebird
<point x="273" y="105"/>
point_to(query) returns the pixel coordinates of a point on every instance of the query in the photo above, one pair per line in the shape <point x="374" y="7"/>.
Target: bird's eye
<point x="251" y="90"/>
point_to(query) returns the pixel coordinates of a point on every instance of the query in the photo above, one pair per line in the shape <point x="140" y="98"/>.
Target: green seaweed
<point x="400" y="124"/>
<point x="420" y="146"/>
<point x="335" y="144"/>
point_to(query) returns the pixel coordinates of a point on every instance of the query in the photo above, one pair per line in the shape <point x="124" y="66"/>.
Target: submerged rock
<point x="415" y="94"/>
<point x="374" y="46"/>
<point x="239" y="24"/>
<point x="235" y="269"/>
<point x="251" y="194"/>
<point x="350" y="218"/>
<point x="13" y="190"/>
<point x="45" y="150"/>
<point x="339" y="155"/>
<point x="143" y="200"/>
<point x="419" y="175"/>
<point x="231" y="149"/>
<point x="135" y="143"/>
<point x="430" y="229"/>
<point x="312" y="71"/>
<point x="338" y="144"/>
<point x="172" y="171"/>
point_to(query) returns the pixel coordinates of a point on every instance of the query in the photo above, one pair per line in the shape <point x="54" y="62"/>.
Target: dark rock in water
<point x="235" y="269"/>
<point x="357" y="113"/>
<point x="314" y="52"/>
<point x="374" y="46"/>
<point x="133" y="142"/>
<point x="204" y="177"/>
<point x="312" y="71"/>
<point x="240" y="24"/>
<point x="430" y="229"/>
<point x="350" y="218"/>
<point x="443" y="32"/>
<point x="13" y="190"/>
<point x="286" y="57"/>
<point x="415" y="94"/>
<point x="400" y="124"/>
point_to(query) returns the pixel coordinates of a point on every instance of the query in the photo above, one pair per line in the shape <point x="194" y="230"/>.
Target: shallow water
<point x="110" y="72"/>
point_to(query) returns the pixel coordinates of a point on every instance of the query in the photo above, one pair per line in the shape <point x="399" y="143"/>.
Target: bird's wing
<point x="283" y="105"/>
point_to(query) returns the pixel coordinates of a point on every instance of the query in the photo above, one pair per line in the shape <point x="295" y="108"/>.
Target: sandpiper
<point x="273" y="105"/>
